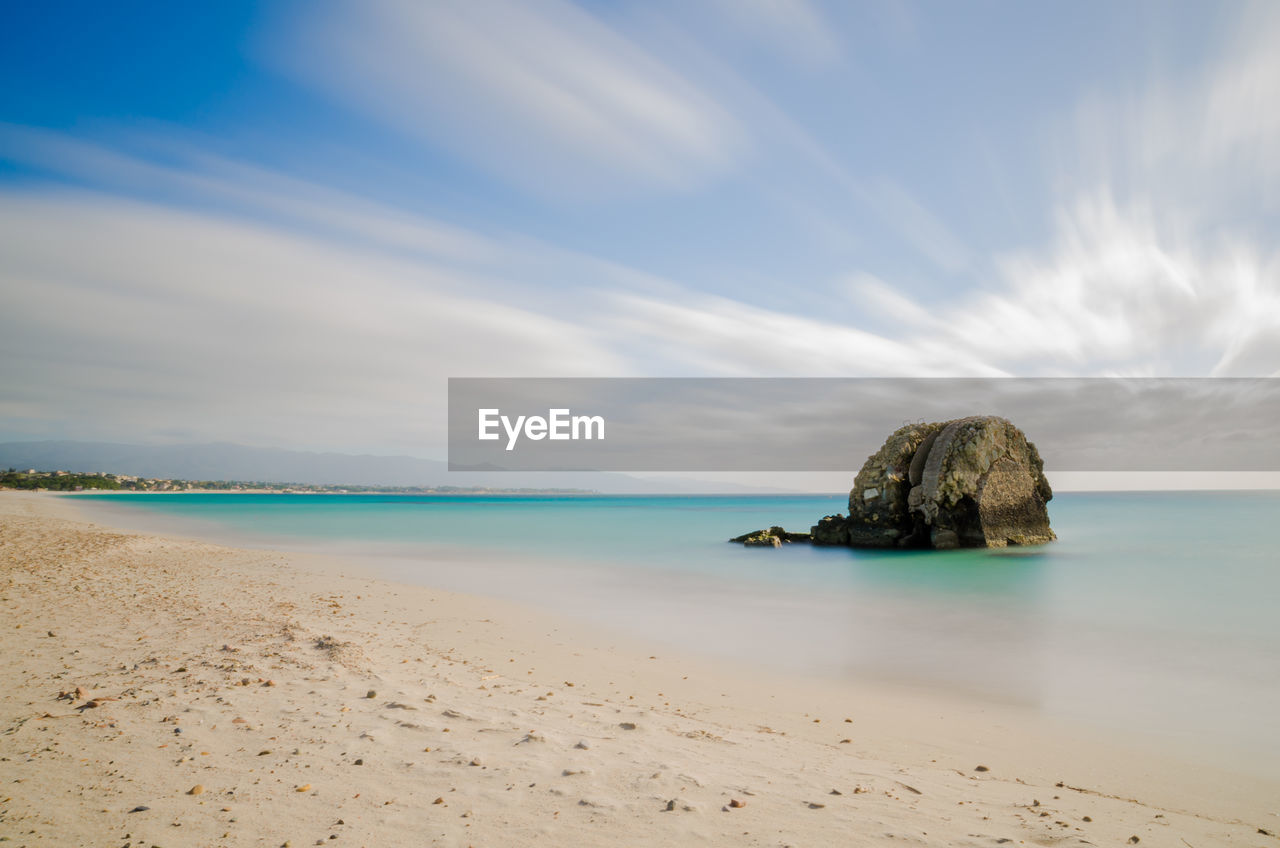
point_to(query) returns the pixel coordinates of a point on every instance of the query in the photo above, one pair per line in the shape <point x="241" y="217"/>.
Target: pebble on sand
<point x="306" y="787"/>
<point x="198" y="789"/>
<point x="736" y="804"/>
<point x="371" y="694"/>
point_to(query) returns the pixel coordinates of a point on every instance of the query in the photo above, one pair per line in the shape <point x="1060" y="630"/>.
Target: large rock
<point x="878" y="512"/>
<point x="972" y="482"/>
<point x="831" y="531"/>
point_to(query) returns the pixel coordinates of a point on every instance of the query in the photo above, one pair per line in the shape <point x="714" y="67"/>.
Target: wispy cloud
<point x="919" y="226"/>
<point x="1162" y="260"/>
<point x="1116" y="293"/>
<point x="228" y="300"/>
<point x="795" y="30"/>
<point x="140" y="317"/>
<point x="1201" y="140"/>
<point x="541" y="93"/>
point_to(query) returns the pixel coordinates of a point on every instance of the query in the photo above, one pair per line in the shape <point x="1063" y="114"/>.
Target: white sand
<point x="264" y="678"/>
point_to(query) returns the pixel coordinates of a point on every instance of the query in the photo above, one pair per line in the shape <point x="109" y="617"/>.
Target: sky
<point x="287" y="224"/>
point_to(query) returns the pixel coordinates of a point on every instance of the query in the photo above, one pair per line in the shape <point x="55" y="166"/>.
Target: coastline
<point x="165" y="630"/>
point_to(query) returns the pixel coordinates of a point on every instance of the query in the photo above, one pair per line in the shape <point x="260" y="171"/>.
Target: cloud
<point x="919" y="226"/>
<point x="132" y="318"/>
<point x="540" y="93"/>
<point x="239" y="303"/>
<point x="1161" y="259"/>
<point x="796" y="30"/>
<point x="717" y="336"/>
<point x="295" y="314"/>
<point x="192" y="174"/>
<point x="1198" y="139"/>
<point x="1115" y="293"/>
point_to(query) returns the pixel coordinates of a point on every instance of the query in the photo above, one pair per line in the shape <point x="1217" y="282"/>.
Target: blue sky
<point x="289" y="223"/>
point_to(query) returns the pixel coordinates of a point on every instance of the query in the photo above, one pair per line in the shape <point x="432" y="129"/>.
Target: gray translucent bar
<point x="833" y="424"/>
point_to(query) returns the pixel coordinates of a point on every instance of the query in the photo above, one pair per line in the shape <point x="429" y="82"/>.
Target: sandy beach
<point x="158" y="691"/>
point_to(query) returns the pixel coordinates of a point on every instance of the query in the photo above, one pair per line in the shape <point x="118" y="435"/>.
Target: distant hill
<point x="225" y="461"/>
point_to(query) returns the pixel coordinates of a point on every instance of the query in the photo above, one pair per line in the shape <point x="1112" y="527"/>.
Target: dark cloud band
<point x="1094" y="424"/>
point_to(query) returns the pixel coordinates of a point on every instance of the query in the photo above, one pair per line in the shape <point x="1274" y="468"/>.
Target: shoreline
<point x="169" y="627"/>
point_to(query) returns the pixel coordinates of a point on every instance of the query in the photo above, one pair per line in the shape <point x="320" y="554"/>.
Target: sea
<point x="1155" y="613"/>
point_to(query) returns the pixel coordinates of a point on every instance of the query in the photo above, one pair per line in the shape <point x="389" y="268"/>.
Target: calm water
<point x="1156" y="613"/>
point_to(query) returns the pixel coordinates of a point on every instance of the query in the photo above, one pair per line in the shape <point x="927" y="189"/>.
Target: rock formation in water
<point x="971" y="482"/>
<point x="773" y="537"/>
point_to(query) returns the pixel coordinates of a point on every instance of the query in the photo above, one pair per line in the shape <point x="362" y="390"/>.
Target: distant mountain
<point x="225" y="461"/>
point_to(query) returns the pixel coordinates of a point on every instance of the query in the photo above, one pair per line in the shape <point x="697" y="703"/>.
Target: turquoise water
<point x="1155" y="613"/>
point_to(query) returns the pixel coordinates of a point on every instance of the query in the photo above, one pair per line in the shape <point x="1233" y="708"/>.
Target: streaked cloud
<point x="919" y="226"/>
<point x="141" y="318"/>
<point x="542" y="94"/>
<point x="796" y="30"/>
<point x="1115" y="293"/>
<point x="180" y="291"/>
